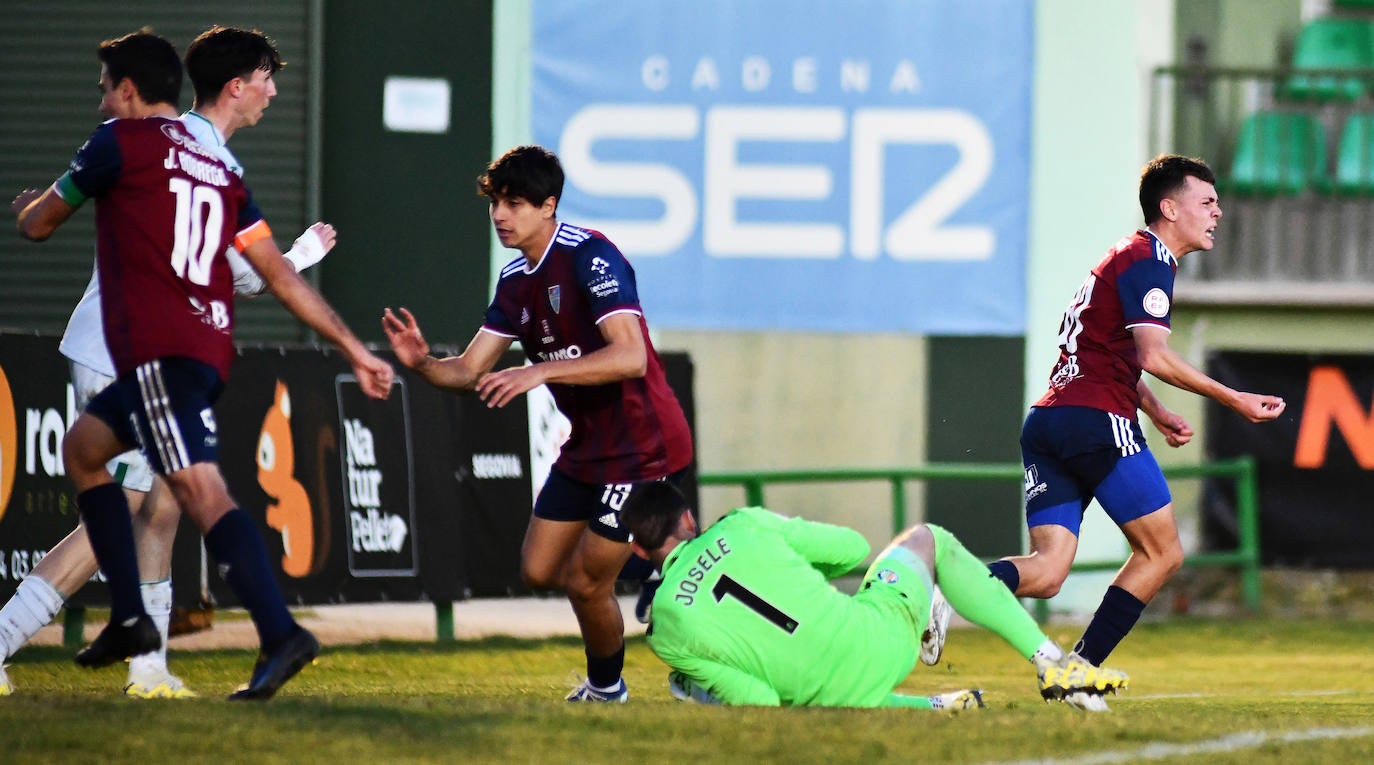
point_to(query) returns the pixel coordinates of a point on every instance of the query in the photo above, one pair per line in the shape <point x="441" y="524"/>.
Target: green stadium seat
<point x="1331" y="43"/>
<point x="1355" y="156"/>
<point x="1279" y="154"/>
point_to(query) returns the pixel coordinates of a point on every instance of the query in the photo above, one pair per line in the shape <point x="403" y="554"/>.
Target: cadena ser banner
<point x="1316" y="462"/>
<point x="855" y="166"/>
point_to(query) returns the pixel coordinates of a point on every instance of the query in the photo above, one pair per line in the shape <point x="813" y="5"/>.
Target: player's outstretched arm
<point x="309" y="248"/>
<point x="374" y="375"/>
<point x="40" y="213"/>
<point x="458" y="372"/>
<point x="1157" y="358"/>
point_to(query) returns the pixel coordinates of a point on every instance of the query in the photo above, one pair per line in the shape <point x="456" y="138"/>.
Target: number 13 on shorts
<point x="615" y="495"/>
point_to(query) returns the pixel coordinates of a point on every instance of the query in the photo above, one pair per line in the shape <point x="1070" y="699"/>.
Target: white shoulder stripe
<point x="571" y="236"/>
<point x="515" y="265"/>
<point x="1162" y="253"/>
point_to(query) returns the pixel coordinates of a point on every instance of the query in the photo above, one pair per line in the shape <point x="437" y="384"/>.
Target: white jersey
<point x="84" y="339"/>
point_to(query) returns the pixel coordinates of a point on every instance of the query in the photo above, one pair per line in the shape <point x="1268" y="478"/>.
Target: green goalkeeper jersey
<point x="747" y="610"/>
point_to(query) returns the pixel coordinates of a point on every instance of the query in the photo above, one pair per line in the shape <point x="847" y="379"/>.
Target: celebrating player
<point x="1082" y="439"/>
<point x="232" y="72"/>
<point x="572" y="302"/>
<point x="166" y="208"/>
<point x="746" y="614"/>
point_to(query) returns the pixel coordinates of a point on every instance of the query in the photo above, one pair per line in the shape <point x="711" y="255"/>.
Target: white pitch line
<point x="1156" y="696"/>
<point x="1232" y="743"/>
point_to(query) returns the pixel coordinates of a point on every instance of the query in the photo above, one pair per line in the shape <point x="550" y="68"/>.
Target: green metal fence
<point x="1241" y="470"/>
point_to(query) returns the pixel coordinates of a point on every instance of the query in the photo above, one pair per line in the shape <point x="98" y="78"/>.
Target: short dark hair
<point x="652" y="512"/>
<point x="1165" y="175"/>
<point x="146" y="60"/>
<point x="532" y="173"/>
<point x="219" y="54"/>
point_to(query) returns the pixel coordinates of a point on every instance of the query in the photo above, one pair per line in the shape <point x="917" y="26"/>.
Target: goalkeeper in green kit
<point x="746" y="613"/>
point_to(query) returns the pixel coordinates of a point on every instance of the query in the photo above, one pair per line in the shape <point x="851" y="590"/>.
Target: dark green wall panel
<point x="412" y="229"/>
<point x="975" y="411"/>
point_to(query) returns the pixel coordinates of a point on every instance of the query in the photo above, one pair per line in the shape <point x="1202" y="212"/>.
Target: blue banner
<point x="858" y="166"/>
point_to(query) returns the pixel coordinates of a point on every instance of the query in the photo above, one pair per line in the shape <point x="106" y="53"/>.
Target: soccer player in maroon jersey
<point x="166" y="208"/>
<point x="1082" y="439"/>
<point x="572" y="302"/>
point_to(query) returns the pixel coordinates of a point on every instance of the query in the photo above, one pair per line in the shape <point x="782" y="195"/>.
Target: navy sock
<point x="105" y="511"/>
<point x="236" y="546"/>
<point x="604" y="671"/>
<point x="1114" y="618"/>
<point x="1006" y="571"/>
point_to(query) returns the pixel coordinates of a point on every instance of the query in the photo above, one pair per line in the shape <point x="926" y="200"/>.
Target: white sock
<point x="157" y="601"/>
<point x="1050" y="651"/>
<point x="32" y="607"/>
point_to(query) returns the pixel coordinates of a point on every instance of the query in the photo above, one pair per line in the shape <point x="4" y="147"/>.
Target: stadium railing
<point x="1245" y="558"/>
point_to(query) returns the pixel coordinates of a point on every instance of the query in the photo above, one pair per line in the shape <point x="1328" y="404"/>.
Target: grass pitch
<point x="1235" y="691"/>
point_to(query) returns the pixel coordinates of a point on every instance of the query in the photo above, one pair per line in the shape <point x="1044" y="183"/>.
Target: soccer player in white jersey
<point x="232" y="74"/>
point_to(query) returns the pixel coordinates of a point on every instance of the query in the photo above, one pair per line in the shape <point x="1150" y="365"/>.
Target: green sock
<point x="910" y="702"/>
<point x="980" y="597"/>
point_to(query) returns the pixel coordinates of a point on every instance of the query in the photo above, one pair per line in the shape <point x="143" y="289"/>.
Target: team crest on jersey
<point x="1156" y="303"/>
<point x="555" y="297"/>
<point x="888" y="575"/>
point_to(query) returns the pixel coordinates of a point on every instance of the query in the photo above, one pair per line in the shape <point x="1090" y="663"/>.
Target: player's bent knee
<point x="1171" y="559"/>
<point x="541" y="577"/>
<point x="582" y="587"/>
<point x="1042" y="581"/>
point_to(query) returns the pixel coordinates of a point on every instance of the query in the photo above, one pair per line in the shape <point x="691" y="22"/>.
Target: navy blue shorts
<point x="565" y="499"/>
<point x="1073" y="454"/>
<point x="164" y="408"/>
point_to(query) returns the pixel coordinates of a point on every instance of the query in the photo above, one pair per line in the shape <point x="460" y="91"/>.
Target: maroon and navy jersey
<point x="1098" y="365"/>
<point x="629" y="430"/>
<point x="166" y="208"/>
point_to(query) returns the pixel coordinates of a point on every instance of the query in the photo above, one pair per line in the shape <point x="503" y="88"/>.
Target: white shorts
<point x="130" y="469"/>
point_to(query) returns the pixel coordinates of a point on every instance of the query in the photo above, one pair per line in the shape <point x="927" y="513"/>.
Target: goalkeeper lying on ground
<point x="746" y="613"/>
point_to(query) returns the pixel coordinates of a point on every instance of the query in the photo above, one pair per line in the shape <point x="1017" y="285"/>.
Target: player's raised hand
<point x="405" y="338"/>
<point x="374" y="375"/>
<point x="312" y="245"/>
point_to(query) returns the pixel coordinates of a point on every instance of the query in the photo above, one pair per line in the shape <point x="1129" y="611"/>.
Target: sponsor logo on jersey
<point x="1156" y="303"/>
<point x="1066" y="373"/>
<point x="610" y="520"/>
<point x="887" y="575"/>
<point x="600" y="266"/>
<point x="571" y="352"/>
<point x="604" y="287"/>
<point x="176" y="133"/>
<point x="524" y="316"/>
<point x="9" y="443"/>
<point x="555" y="297"/>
